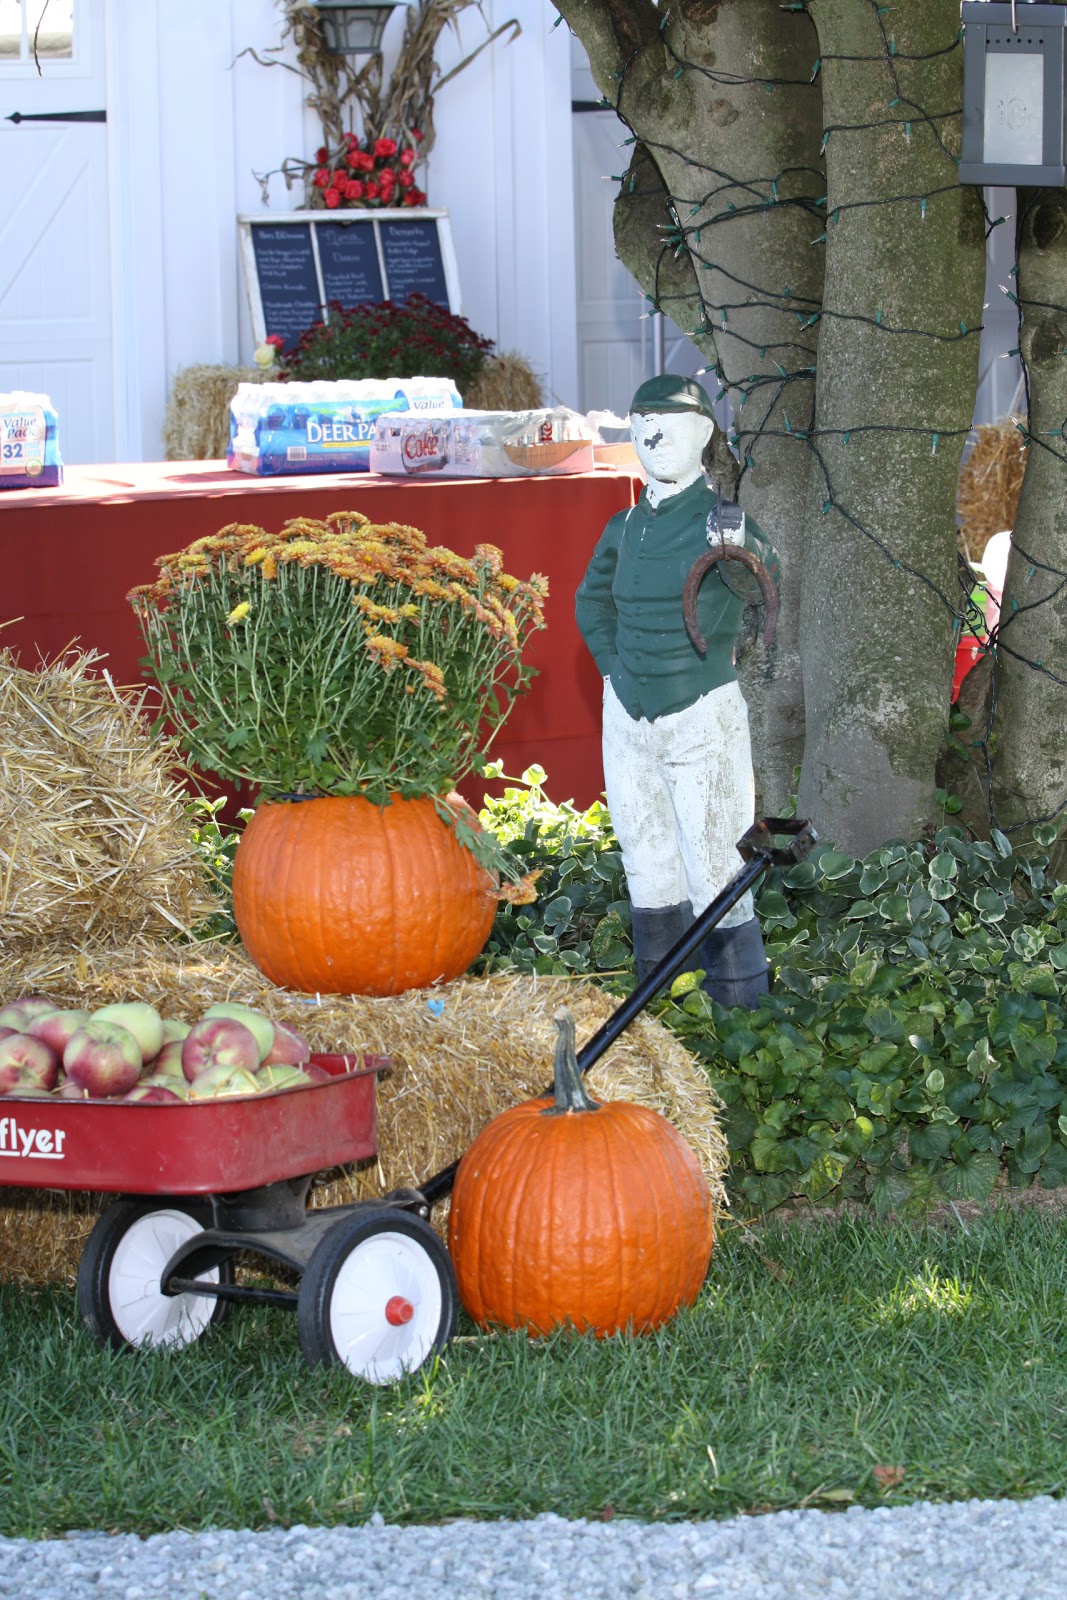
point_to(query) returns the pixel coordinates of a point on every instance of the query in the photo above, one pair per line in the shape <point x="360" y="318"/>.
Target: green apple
<point x="174" y="1028"/>
<point x="279" y="1077"/>
<point x="138" y="1018"/>
<point x="257" y="1024"/>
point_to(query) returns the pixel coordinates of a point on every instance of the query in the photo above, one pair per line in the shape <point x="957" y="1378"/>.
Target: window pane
<point x="55" y="20"/>
<point x="10" y="30"/>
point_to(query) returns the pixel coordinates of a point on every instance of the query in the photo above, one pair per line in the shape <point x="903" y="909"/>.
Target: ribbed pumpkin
<point x="337" y="896"/>
<point x="565" y="1211"/>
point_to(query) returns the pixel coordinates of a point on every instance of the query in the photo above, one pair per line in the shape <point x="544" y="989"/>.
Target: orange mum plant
<point x="338" y="657"/>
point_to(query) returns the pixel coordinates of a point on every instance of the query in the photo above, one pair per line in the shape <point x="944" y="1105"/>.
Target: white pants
<point x="681" y="793"/>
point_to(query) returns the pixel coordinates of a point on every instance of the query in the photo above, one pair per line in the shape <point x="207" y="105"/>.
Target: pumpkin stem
<point x="570" y="1091"/>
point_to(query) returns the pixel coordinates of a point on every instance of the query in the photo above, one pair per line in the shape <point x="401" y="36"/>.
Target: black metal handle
<point x="759" y="850"/>
<point x="57" y="116"/>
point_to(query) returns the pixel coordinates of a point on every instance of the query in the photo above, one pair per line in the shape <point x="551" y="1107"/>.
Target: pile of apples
<point x="129" y="1052"/>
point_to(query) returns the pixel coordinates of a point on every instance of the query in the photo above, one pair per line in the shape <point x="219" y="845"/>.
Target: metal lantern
<point x="354" y="30"/>
<point x="1013" y="94"/>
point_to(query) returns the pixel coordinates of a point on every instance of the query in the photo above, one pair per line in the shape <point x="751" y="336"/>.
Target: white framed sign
<point x="297" y="263"/>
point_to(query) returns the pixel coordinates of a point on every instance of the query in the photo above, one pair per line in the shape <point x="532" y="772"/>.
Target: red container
<point x="193" y="1147"/>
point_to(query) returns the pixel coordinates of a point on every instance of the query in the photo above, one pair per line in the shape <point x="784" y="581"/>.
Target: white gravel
<point x="970" y="1550"/>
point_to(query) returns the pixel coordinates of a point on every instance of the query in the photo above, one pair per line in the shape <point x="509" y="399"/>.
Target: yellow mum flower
<point x="239" y="613"/>
<point x="255" y="556"/>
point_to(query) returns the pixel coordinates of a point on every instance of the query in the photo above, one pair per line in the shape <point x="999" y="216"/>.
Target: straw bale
<point x="990" y="480"/>
<point x="94" y="832"/>
<point x="506" y="383"/>
<point x="490" y="1046"/>
<point x="196" y="424"/>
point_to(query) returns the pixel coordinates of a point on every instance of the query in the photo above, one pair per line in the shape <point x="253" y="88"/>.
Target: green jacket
<point x="629" y="604"/>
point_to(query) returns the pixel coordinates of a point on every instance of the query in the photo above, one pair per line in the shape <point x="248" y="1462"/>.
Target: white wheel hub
<point x="142" y="1313"/>
<point x="385" y="1309"/>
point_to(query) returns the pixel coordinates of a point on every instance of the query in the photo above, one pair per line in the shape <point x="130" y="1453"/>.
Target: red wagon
<point x="205" y="1181"/>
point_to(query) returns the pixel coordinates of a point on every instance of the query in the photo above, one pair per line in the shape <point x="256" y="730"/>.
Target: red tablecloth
<point x="68" y="556"/>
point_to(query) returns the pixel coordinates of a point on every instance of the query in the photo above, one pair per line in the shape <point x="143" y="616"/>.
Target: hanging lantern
<point x="1013" y="94"/>
<point x="352" y="29"/>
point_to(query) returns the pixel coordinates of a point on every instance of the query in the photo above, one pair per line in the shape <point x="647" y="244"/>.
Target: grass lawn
<point x="817" y="1357"/>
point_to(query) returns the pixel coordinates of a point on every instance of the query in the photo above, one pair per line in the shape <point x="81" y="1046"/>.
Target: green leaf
<point x="833" y="864"/>
<point x="1002" y="843"/>
<point x="970" y="1180"/>
<point x="925" y="1144"/>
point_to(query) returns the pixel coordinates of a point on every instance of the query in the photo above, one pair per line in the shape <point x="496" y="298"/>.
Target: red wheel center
<point x="398" y="1311"/>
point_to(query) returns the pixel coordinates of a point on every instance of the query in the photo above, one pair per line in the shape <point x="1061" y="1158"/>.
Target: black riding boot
<point x="735" y="966"/>
<point x="657" y="931"/>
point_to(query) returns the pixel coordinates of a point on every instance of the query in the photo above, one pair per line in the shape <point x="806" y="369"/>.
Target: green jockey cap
<point x="668" y="392"/>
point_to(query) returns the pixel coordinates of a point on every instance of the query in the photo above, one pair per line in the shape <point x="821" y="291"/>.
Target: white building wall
<point x="191" y="121"/>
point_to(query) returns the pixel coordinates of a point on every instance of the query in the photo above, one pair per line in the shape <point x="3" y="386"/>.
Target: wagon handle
<point x="758" y="850"/>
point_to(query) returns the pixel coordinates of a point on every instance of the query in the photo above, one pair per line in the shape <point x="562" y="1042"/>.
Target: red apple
<point x="169" y="1060"/>
<point x="290" y="1049"/>
<point x="27" y="1063"/>
<point x="21" y="1012"/>
<point x="153" y="1094"/>
<point x="103" y="1058"/>
<point x="218" y="1041"/>
<point x="6" y="1032"/>
<point x="174" y="1083"/>
<point x="69" y="1090"/>
<point x="254" y="1021"/>
<point x="56" y="1027"/>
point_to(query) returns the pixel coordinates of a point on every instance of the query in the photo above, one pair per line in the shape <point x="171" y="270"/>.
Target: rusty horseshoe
<point x="703" y="565"/>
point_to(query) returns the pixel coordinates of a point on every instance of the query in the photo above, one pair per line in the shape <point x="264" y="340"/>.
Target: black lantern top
<point x="352" y="29"/>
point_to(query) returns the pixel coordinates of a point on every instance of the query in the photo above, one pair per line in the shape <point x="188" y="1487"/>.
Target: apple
<point x="5" y="1032"/>
<point x="222" y="1080"/>
<point x="218" y="1041"/>
<point x="279" y="1077"/>
<point x="169" y="1060"/>
<point x="103" y="1058"/>
<point x="290" y="1049"/>
<point x="153" y="1094"/>
<point x="138" y="1018"/>
<point x="56" y="1027"/>
<point x="259" y="1025"/>
<point x="69" y="1090"/>
<point x="27" y="1063"/>
<point x="176" y="1084"/>
<point x="21" y="1012"/>
<point x="174" y="1029"/>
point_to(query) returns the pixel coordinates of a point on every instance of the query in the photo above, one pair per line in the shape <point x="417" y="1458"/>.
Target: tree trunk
<point x="897" y="371"/>
<point x="720" y="98"/>
<point x="1030" y="673"/>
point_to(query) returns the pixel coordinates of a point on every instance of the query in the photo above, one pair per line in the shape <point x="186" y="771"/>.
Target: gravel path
<point x="972" y="1550"/>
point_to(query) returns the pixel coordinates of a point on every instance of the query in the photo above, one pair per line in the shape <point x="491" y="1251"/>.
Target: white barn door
<point x="55" y="270"/>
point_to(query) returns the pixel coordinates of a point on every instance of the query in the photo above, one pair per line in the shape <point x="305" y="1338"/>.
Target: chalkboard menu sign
<point x="297" y="266"/>
<point x="351" y="271"/>
<point x="413" y="261"/>
<point x="288" y="281"/>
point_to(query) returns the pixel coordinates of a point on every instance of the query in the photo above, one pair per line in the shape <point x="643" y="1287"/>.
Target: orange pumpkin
<point x="337" y="896"/>
<point x="565" y="1211"/>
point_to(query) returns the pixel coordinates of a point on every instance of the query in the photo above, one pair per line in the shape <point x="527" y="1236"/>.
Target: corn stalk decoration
<point x="400" y="108"/>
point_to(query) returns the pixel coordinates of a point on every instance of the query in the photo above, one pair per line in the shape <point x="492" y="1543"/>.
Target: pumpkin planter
<point x="569" y="1212"/>
<point x="338" y="896"/>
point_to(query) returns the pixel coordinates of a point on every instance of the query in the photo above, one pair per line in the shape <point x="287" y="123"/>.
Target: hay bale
<point x="94" y="830"/>
<point x="491" y="1046"/>
<point x="506" y="383"/>
<point x="991" y="477"/>
<point x="196" y="425"/>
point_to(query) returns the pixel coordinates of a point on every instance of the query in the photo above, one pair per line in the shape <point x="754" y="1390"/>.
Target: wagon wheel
<point x="119" y="1295"/>
<point x="378" y="1296"/>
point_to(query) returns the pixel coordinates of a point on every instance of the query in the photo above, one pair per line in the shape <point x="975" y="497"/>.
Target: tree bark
<point x="895" y="392"/>
<point x="719" y="95"/>
<point x="1030" y="670"/>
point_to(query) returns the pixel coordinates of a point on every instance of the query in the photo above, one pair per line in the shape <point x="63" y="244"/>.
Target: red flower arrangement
<point x="378" y="173"/>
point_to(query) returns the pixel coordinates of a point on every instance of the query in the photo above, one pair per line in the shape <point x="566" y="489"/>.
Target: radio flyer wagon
<point x="204" y="1182"/>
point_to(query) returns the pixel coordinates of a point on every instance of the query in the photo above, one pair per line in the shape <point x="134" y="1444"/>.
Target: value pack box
<point x="280" y="428"/>
<point x="29" y="442"/>
<point x="484" y="444"/>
